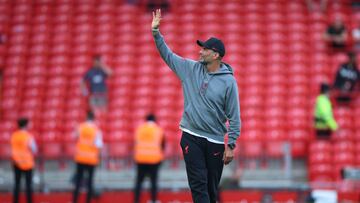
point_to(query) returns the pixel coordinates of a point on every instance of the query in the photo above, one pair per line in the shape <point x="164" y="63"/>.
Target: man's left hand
<point x="228" y="155"/>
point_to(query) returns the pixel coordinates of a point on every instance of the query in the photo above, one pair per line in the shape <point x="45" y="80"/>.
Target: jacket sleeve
<point x="32" y="145"/>
<point x="232" y="110"/>
<point x="179" y="65"/>
<point x="98" y="142"/>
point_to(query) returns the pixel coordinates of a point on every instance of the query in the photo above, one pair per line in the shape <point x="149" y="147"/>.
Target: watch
<point x="231" y="146"/>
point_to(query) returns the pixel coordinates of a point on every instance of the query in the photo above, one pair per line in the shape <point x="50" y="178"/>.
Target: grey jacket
<point x="210" y="99"/>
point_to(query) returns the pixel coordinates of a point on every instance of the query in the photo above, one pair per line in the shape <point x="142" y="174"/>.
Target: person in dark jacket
<point x="346" y="79"/>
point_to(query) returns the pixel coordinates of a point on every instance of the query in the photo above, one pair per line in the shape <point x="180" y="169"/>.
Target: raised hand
<point x="156" y="19"/>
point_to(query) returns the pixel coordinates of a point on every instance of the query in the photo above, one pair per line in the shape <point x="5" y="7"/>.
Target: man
<point x="335" y="34"/>
<point x="149" y="149"/>
<point x="324" y="120"/>
<point x="346" y="78"/>
<point x="210" y="100"/>
<point x="87" y="154"/>
<point x="94" y="81"/>
<point x="23" y="148"/>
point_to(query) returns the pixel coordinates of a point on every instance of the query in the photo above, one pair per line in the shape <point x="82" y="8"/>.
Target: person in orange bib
<point x="149" y="153"/>
<point x="23" y="148"/>
<point x="87" y="154"/>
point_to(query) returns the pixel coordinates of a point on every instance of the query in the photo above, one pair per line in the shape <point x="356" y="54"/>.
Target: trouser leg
<point x="90" y="170"/>
<point x="194" y="156"/>
<point x="215" y="164"/>
<point x="29" y="191"/>
<point x="17" y="177"/>
<point x="139" y="179"/>
<point x="153" y="178"/>
<point x="78" y="178"/>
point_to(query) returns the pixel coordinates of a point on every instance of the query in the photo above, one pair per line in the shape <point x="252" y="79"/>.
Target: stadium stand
<point x="275" y="47"/>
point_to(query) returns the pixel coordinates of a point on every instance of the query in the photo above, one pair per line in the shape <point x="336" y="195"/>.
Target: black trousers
<point x="80" y="170"/>
<point x="144" y="170"/>
<point x="28" y="179"/>
<point x="323" y="134"/>
<point x="204" y="165"/>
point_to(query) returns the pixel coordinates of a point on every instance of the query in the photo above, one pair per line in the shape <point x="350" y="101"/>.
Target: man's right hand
<point x="156" y="19"/>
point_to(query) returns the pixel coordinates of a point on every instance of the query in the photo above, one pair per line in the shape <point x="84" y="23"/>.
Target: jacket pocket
<point x="203" y="119"/>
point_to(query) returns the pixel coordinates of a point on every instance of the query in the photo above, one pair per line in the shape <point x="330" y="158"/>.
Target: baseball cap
<point x="214" y="44"/>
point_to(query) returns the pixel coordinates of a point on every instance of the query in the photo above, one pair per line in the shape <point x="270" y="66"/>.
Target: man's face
<point x="338" y="23"/>
<point x="97" y="62"/>
<point x="207" y="55"/>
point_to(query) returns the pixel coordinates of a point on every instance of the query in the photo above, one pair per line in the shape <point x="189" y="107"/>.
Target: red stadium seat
<point x="39" y="43"/>
<point x="62" y="38"/>
<point x="274" y="149"/>
<point x="344" y="158"/>
<point x="252" y="135"/>
<point x="54" y="103"/>
<point x="276" y="135"/>
<point x="275" y="100"/>
<point x="69" y="149"/>
<point x="357" y="147"/>
<point x="34" y="82"/>
<point x="284" y="196"/>
<point x="357" y="160"/>
<point x="344" y="146"/>
<point x="252" y="124"/>
<point x="32" y="103"/>
<point x="37" y="70"/>
<point x="74" y="113"/>
<point x="320" y="146"/>
<point x="299" y="135"/>
<point x="52" y="151"/>
<point x="119" y="150"/>
<point x="251" y="149"/>
<point x="346" y="135"/>
<point x="321" y="173"/>
<point x="349" y="196"/>
<point x="320" y="158"/>
<point x="299" y="148"/>
<point x="5" y="151"/>
<point x="242" y="196"/>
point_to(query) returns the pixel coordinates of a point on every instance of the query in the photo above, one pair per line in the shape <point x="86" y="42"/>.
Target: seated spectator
<point x="356" y="38"/>
<point x="346" y="79"/>
<point x="324" y="120"/>
<point x="94" y="84"/>
<point x="335" y="34"/>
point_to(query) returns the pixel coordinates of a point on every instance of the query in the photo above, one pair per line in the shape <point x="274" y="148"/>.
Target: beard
<point x="202" y="61"/>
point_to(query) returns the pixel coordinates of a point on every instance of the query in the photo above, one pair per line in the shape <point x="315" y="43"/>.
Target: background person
<point x="87" y="155"/>
<point x="23" y="148"/>
<point x="149" y="153"/>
